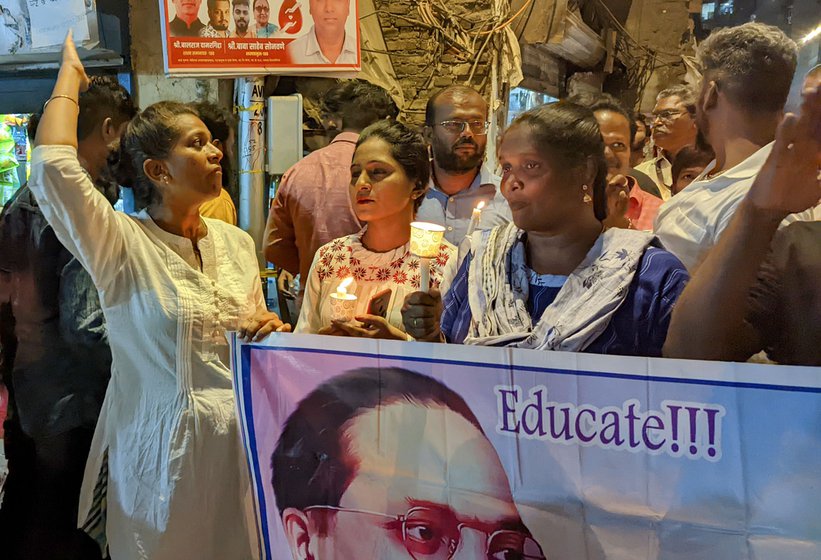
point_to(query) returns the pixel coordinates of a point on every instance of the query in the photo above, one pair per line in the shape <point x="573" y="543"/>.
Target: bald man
<point x="456" y="126"/>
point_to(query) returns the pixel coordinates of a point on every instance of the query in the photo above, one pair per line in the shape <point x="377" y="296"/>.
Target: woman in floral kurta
<point x="397" y="270"/>
<point x="390" y="172"/>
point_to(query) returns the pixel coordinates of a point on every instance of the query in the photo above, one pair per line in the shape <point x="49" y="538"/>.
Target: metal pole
<point x="251" y="150"/>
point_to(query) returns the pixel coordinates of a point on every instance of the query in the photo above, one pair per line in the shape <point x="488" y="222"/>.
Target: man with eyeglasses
<point x="262" y="11"/>
<point x="747" y="73"/>
<point x="456" y="125"/>
<point x="673" y="128"/>
<point x="391" y="464"/>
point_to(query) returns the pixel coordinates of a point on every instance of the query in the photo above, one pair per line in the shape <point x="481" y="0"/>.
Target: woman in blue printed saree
<point x="556" y="278"/>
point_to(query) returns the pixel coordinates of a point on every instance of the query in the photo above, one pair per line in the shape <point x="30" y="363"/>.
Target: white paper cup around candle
<point x="343" y="307"/>
<point x="343" y="304"/>
<point x="426" y="239"/>
<point x="424" y="243"/>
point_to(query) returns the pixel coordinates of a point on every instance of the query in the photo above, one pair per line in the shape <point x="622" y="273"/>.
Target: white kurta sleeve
<point x="310" y="316"/>
<point x="82" y="218"/>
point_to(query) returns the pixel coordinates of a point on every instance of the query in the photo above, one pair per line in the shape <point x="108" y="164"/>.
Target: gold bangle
<point x="53" y="97"/>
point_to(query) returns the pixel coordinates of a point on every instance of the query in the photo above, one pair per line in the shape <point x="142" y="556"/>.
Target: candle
<point x="475" y="217"/>
<point x="424" y="243"/>
<point x="343" y="304"/>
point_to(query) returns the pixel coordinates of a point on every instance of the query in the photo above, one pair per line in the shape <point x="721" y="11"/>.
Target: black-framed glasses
<point x="668" y="115"/>
<point x="458" y="127"/>
<point x="429" y="534"/>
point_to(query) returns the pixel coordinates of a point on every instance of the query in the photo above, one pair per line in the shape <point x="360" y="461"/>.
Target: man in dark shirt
<point x="785" y="300"/>
<point x="186" y="22"/>
<point x="54" y="353"/>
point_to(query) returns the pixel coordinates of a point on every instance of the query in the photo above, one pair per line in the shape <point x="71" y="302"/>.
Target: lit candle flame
<point x="480" y="205"/>
<point x="342" y="289"/>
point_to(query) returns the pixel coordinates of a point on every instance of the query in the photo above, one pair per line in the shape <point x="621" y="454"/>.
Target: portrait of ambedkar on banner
<point x="389" y="464"/>
<point x="327" y="41"/>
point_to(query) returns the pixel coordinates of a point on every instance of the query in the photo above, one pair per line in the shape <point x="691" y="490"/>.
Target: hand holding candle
<point x="343" y="304"/>
<point x="475" y="218"/>
<point x="424" y="243"/>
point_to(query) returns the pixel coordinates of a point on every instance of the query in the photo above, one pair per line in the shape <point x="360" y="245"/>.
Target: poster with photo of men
<point x="242" y="37"/>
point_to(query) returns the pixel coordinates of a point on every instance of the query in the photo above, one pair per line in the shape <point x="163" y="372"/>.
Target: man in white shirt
<point x="674" y="128"/>
<point x="326" y="42"/>
<point x="747" y="71"/>
<point x="456" y="123"/>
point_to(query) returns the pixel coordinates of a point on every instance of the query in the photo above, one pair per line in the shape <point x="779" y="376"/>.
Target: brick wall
<point x="423" y="61"/>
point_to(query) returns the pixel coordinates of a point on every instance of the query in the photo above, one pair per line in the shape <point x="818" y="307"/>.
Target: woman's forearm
<point x="58" y="126"/>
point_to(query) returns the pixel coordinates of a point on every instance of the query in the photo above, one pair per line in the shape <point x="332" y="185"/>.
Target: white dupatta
<point x="498" y="291"/>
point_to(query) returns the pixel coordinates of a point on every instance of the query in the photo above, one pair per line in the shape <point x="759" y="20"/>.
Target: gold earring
<point x="586" y="198"/>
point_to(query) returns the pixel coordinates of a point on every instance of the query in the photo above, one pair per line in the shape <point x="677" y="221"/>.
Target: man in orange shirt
<point x="614" y="122"/>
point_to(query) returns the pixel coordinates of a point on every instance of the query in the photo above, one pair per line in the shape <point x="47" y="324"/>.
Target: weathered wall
<point x="150" y="83"/>
<point x="661" y="25"/>
<point x="423" y="61"/>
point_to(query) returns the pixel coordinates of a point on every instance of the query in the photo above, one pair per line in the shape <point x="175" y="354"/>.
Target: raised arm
<point x="708" y="321"/>
<point x="82" y="218"/>
<point x="58" y="125"/>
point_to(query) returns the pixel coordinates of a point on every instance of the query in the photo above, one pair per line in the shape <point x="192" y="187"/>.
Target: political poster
<point x="248" y="37"/>
<point x="391" y="450"/>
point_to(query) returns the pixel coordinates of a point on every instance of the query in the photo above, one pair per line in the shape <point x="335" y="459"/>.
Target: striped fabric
<point x="638" y="327"/>
<point x="94" y="524"/>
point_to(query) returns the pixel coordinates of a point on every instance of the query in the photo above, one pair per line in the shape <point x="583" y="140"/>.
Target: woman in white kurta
<point x="166" y="476"/>
<point x="389" y="175"/>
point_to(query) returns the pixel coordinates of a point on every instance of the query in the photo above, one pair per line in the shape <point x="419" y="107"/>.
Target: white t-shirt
<point x="690" y="223"/>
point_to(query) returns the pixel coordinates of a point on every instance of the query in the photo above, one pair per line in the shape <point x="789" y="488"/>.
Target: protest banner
<point x="241" y="38"/>
<point x="390" y="450"/>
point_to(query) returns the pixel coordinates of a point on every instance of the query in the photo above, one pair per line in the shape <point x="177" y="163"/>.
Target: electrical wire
<point x="616" y="23"/>
<point x="510" y="20"/>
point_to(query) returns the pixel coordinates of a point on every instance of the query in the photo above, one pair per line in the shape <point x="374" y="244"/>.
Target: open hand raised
<point x="789" y="180"/>
<point x="71" y="61"/>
